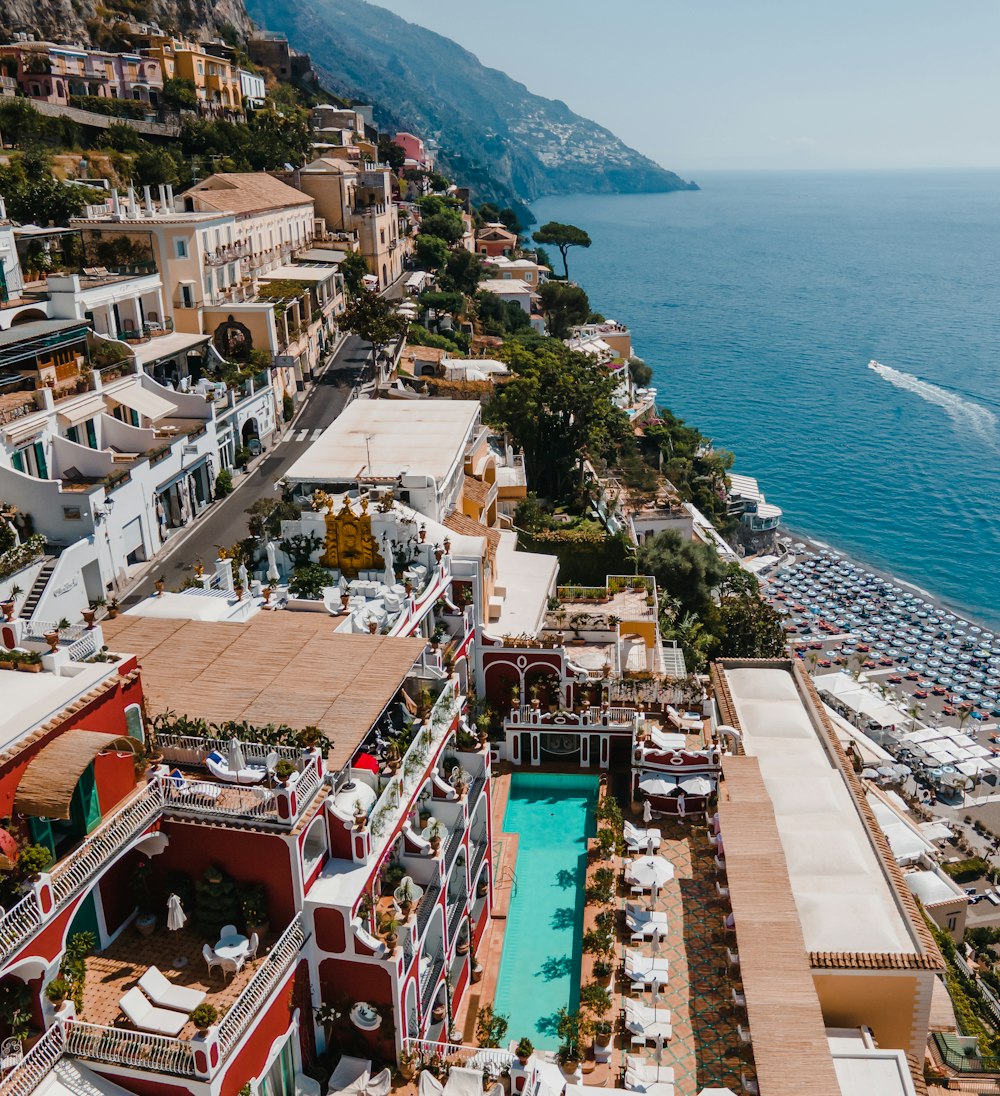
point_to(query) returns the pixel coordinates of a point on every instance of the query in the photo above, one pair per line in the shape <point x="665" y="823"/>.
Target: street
<point x="225" y="521"/>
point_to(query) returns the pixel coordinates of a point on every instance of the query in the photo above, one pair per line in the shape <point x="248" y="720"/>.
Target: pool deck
<point x="705" y="1049"/>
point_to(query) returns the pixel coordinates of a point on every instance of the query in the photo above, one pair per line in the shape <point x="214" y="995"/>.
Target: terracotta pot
<point x="30" y="667"/>
<point x="8" y="610"/>
<point x="88" y="618"/>
<point x="345" y="600"/>
<point x="159" y="584"/>
<point x="477" y="973"/>
<point x="238" y="591"/>
<point x="407" y="1070"/>
<point x="372" y="626"/>
<point x="437" y="1013"/>
<point x="266" y="593"/>
<point x="52" y="639"/>
<point x="435" y="844"/>
<point x="462" y="948"/>
<point x="482" y="889"/>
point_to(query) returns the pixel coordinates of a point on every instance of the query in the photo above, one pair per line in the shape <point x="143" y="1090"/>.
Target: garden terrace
<point x="282" y="668"/>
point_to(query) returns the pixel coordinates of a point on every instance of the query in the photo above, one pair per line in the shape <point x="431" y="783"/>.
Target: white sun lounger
<point x="147" y="1017"/>
<point x="643" y="971"/>
<point x="646" y="1023"/>
<point x="664" y="1087"/>
<point x="166" y="995"/>
<point x="637" y="838"/>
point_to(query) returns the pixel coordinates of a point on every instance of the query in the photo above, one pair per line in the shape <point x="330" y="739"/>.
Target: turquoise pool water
<point x="553" y="816"/>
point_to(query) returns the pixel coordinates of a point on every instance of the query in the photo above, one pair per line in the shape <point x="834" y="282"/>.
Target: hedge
<point x="586" y="558"/>
<point x="963" y="871"/>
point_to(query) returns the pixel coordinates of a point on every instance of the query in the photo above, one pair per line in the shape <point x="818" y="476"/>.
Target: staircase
<point x="38" y="588"/>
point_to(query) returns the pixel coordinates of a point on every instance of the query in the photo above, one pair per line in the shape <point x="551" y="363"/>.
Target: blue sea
<point x="759" y="301"/>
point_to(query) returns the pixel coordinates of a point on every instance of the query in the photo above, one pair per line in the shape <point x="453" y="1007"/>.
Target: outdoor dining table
<point x="232" y="947"/>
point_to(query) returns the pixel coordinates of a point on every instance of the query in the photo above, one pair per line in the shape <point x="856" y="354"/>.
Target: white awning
<point x="145" y="402"/>
<point x="88" y="408"/>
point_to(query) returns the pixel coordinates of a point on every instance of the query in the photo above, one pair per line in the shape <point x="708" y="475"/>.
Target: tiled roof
<point x="462" y="523"/>
<point x="478" y="491"/>
<point x="246" y="192"/>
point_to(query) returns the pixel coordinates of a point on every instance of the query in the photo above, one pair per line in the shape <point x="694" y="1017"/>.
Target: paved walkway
<point x="225" y="521"/>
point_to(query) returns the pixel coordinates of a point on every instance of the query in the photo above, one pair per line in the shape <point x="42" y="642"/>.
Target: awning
<point x="145" y="402"/>
<point x="88" y="408"/>
<point x="25" y="427"/>
<point x="47" y="786"/>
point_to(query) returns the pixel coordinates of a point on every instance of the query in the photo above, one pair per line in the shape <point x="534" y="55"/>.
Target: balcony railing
<point x="456" y="912"/>
<point x="477" y="860"/>
<point x="160" y="796"/>
<point x="251" y="1001"/>
<point x="135" y="1049"/>
<point x="492" y="1059"/>
<point x="26" y="1076"/>
<point x="427" y="905"/>
<point x="429" y="983"/>
<point x="454" y="844"/>
<point x="591" y="717"/>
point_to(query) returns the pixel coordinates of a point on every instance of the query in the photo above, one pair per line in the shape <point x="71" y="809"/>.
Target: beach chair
<point x="646" y="1024"/>
<point x="166" y="995"/>
<point x="145" y="1016"/>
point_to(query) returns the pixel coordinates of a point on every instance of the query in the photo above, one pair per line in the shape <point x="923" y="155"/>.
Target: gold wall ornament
<point x="321" y="501"/>
<point x="349" y="543"/>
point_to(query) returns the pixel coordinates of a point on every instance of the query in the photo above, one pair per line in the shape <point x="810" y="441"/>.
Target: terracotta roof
<point x="280" y="667"/>
<point x="245" y="192"/>
<point x="790" y="1049"/>
<point x="47" y="785"/>
<point x="477" y="490"/>
<point x="458" y="522"/>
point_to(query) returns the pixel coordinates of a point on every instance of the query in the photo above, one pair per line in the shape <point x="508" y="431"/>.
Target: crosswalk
<point x="302" y="435"/>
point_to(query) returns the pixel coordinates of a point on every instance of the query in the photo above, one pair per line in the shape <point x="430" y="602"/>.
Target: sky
<point x="754" y="84"/>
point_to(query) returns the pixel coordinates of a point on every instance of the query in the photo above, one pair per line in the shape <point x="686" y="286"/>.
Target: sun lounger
<point x="147" y="1017"/>
<point x="638" y="839"/>
<point x="166" y="995"/>
<point x="461" y="1082"/>
<point x="648" y="1072"/>
<point x="219" y="768"/>
<point x="650" y="1088"/>
<point x="643" y="971"/>
<point x="350" y="1076"/>
<point x="646" y="1023"/>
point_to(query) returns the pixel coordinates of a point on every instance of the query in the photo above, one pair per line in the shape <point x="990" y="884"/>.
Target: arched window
<point x="133" y="721"/>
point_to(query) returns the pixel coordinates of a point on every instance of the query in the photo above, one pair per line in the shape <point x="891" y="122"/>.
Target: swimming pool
<point x="552" y="815"/>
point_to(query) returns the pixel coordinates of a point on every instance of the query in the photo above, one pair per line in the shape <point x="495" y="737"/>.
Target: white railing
<point x="135" y="1049"/>
<point x="79" y="868"/>
<point x="18" y="923"/>
<point x="492" y="1059"/>
<point x="38" y="628"/>
<point x="83" y="648"/>
<point x="25" y="1077"/>
<point x="251" y="1001"/>
<point x="395" y="798"/>
<point x="192" y="749"/>
<point x="591" y="717"/>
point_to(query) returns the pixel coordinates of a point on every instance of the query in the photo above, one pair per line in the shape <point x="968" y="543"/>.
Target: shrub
<point x="309" y="581"/>
<point x="525" y="1047"/>
<point x="204" y="1016"/>
<point x="491" y="1027"/>
<point x="58" y="990"/>
<point x="963" y="871"/>
<point x="33" y="859"/>
<point x="283" y="769"/>
<point x="596" y="998"/>
<point x="223" y="483"/>
<point x="287" y="407"/>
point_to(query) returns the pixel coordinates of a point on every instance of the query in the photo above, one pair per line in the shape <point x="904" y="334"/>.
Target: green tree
<point x="462" y="272"/>
<point x="748" y="626"/>
<point x="431" y="251"/>
<point x="372" y="318"/>
<point x="442" y="302"/>
<point x="687" y="571"/>
<point x="563" y="237"/>
<point x="390" y="153"/>
<point x="440" y="216"/>
<point x="179" y="93"/>
<point x="35" y="196"/>
<point x="559" y="410"/>
<point x="354" y="268"/>
<point x="640" y="372"/>
<point x="155" y="166"/>
<point x="564" y="306"/>
<point x="500" y="317"/>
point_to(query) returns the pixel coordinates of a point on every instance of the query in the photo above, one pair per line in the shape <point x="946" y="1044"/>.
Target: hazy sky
<point x="754" y="83"/>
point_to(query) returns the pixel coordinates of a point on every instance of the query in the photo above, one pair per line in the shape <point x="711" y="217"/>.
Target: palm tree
<point x="913" y="711"/>
<point x="812" y="658"/>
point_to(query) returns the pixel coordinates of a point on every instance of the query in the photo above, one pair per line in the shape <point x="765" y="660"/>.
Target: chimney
<point x="147" y="200"/>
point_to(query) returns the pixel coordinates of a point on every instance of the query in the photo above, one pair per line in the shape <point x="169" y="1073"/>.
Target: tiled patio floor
<point x="705" y="1050"/>
<point x="114" y="971"/>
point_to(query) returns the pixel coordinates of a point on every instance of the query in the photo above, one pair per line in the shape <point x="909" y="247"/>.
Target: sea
<point x="759" y="302"/>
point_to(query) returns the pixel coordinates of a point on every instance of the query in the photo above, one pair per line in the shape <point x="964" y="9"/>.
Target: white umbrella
<point x="176" y="917"/>
<point x="659" y="1042"/>
<point x="237" y="762"/>
<point x="650" y="871"/>
<point x="656" y="992"/>
<point x="651" y="784"/>
<point x="695" y="785"/>
<point x="647" y="812"/>
<point x="272" y="562"/>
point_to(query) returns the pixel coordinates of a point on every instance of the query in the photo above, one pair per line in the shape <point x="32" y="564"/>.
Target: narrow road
<point x="225" y="521"/>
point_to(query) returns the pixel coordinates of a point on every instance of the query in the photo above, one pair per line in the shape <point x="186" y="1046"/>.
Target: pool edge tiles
<point x="553" y="815"/>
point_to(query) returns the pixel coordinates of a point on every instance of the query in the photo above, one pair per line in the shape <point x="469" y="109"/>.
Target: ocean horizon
<point x="759" y="301"/>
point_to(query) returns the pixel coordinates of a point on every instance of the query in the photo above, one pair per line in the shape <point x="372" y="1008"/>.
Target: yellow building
<point x="216" y="79"/>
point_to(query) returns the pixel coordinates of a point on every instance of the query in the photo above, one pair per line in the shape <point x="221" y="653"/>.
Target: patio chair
<point x="732" y="957"/>
<point x="232" y="966"/>
<point x="211" y="958"/>
<point x="648" y="1072"/>
<point x="350" y="1076"/>
<point x="461" y="1082"/>
<point x="722" y="891"/>
<point x="166" y="995"/>
<point x="179" y="784"/>
<point x="638" y="839"/>
<point x="227" y="930"/>
<point x="739" y="999"/>
<point x="743" y="1034"/>
<point x="219" y="768"/>
<point x="380" y="1084"/>
<point x="147" y="1017"/>
<point x="749" y="1085"/>
<point x="643" y="971"/>
<point x="253" y="946"/>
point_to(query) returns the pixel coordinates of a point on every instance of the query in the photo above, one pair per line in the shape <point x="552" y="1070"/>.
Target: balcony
<point x="427" y="905"/>
<point x="207" y="802"/>
<point x="429" y="983"/>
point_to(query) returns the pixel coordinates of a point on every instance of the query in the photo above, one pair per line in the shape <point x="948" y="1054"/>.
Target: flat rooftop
<point x="381" y="439"/>
<point x="285" y="667"/>
<point x="845" y="899"/>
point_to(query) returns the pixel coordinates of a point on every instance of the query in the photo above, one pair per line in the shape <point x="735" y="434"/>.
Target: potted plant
<point x="404" y="896"/>
<point x="10" y="604"/>
<point x="140" y="887"/>
<point x="436" y="833"/>
<point x="483" y="886"/>
<point x="408" y="1062"/>
<point x="477" y="970"/>
<point x="360" y="815"/>
<point x="113" y="608"/>
<point x="603" y="1036"/>
<point x="390" y="929"/>
<point x="524" y="1049"/>
<point x="571" y="1027"/>
<point x="237" y="590"/>
<point x="438" y="1012"/>
<point x="603" y="972"/>
<point x="267" y="591"/>
<point x="58" y="990"/>
<point x="32" y="860"/>
<point x="203" y="1017"/>
<point x="29" y="662"/>
<point x="253" y="899"/>
<point x="283" y="771"/>
<point x="159" y="583"/>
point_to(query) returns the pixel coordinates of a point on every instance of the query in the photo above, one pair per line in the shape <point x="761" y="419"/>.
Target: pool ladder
<point x="508" y="873"/>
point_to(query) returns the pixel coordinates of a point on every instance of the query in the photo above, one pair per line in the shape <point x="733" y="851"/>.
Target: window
<point x="133" y="721"/>
<point x="953" y="922"/>
<point x="181" y="248"/>
<point x="187" y="300"/>
<point x="91" y="434"/>
<point x="72" y="513"/>
<point x="73" y="434"/>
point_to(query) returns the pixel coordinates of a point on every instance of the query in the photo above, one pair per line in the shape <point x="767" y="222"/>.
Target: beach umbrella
<point x="647" y="812"/>
<point x="869" y="774"/>
<point x="695" y="785"/>
<point x="237" y="762"/>
<point x="650" y="871"/>
<point x="655" y="984"/>
<point x="651" y="784"/>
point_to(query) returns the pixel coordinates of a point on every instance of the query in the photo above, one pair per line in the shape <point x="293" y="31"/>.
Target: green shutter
<point x="91" y="434"/>
<point x="43" y="468"/>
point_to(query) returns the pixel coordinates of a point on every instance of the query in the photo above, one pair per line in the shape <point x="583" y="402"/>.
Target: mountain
<point x="495" y="135"/>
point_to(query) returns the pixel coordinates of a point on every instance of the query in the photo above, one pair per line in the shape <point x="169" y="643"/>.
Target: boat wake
<point x="967" y="415"/>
